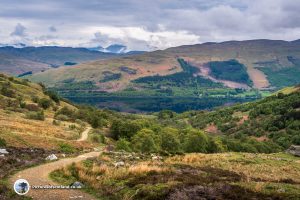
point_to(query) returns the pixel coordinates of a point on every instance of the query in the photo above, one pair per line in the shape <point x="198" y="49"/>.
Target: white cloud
<point x="146" y="24"/>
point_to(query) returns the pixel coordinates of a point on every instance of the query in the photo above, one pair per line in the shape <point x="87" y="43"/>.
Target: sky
<point x="146" y="24"/>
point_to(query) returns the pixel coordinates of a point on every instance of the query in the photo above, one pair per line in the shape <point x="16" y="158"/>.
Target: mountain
<point x="35" y="59"/>
<point x="114" y="48"/>
<point x="117" y="49"/>
<point x="225" y="73"/>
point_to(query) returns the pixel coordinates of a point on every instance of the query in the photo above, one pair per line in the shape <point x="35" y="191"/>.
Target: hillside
<point x="221" y="74"/>
<point x="27" y="115"/>
<point x="162" y="155"/>
<point x="260" y="57"/>
<point x="16" y="61"/>
<point x="275" y="118"/>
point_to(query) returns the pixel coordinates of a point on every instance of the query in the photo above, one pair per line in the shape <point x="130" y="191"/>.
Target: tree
<point x="144" y="141"/>
<point x="216" y="145"/>
<point x="123" y="144"/>
<point x="196" y="141"/>
<point x="170" y="140"/>
<point x="44" y="103"/>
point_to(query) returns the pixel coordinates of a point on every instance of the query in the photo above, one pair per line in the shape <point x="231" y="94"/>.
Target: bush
<point x="144" y="141"/>
<point x="6" y="91"/>
<point x="196" y="141"/>
<point x="98" y="138"/>
<point x="2" y="142"/>
<point x="36" y="115"/>
<point x="32" y="107"/>
<point x="66" y="148"/>
<point x="66" y="111"/>
<point x="62" y="118"/>
<point x="35" y="99"/>
<point x="123" y="144"/>
<point x="216" y="145"/>
<point x="44" y="103"/>
<point x="170" y="140"/>
<point x="53" y="95"/>
<point x="56" y="122"/>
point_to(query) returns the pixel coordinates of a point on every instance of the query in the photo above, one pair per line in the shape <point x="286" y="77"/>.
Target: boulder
<point x="52" y="157"/>
<point x="119" y="164"/>
<point x="294" y="150"/>
<point x="77" y="184"/>
<point x="3" y="151"/>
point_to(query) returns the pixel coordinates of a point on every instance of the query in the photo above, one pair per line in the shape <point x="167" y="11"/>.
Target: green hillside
<point x="225" y="73"/>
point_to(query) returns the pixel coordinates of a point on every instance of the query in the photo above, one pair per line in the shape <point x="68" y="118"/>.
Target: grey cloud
<point x="212" y="20"/>
<point x="19" y="31"/>
<point x="52" y="29"/>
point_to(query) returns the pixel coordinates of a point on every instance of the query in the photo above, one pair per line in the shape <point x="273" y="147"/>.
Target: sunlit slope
<point x="256" y="55"/>
<point x="27" y="116"/>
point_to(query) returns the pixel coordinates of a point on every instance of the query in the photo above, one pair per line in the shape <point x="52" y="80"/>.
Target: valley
<point x="158" y="125"/>
<point x="227" y="72"/>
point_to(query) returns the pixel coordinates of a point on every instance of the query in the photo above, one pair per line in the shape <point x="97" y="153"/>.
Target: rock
<point x="294" y="150"/>
<point x="51" y="157"/>
<point x="77" y="184"/>
<point x="109" y="148"/>
<point x="63" y="155"/>
<point x="156" y="158"/>
<point x="119" y="164"/>
<point x="3" y="151"/>
<point x="2" y="155"/>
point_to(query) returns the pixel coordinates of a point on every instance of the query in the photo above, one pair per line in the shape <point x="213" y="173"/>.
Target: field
<point x="190" y="176"/>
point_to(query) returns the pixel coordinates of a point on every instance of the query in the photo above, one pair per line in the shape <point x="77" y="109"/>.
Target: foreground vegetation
<point x="191" y="176"/>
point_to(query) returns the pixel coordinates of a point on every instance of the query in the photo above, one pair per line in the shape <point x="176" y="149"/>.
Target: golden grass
<point x="273" y="168"/>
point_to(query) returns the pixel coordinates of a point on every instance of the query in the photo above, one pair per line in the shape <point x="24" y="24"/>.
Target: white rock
<point x="3" y="151"/>
<point x="119" y="164"/>
<point x="51" y="157"/>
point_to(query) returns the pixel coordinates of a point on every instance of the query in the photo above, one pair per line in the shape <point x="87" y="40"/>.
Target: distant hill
<point x="269" y="63"/>
<point x="20" y="60"/>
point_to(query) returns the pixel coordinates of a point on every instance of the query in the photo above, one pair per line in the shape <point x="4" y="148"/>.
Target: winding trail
<point x="39" y="176"/>
<point x="84" y="134"/>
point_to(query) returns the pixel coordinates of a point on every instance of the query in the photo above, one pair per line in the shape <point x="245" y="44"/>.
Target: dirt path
<point x="39" y="176"/>
<point x="84" y="134"/>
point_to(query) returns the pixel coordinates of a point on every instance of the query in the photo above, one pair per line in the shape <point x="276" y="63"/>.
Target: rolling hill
<point x="16" y="61"/>
<point x="218" y="73"/>
<point x="263" y="60"/>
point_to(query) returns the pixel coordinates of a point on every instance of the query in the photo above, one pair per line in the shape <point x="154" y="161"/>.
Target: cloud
<point x="19" y="31"/>
<point x="52" y="29"/>
<point x="149" y="24"/>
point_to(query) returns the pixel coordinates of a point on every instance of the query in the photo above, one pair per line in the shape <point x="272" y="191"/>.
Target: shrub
<point x="7" y="91"/>
<point x="44" y="103"/>
<point x="144" y="141"/>
<point x="196" y="141"/>
<point x="2" y="142"/>
<point x="35" y="99"/>
<point x="32" y="107"/>
<point x="66" y="111"/>
<point x="62" y="118"/>
<point x="123" y="144"/>
<point x="66" y="148"/>
<point x="36" y="115"/>
<point x="98" y="138"/>
<point x="53" y="95"/>
<point x="216" y="145"/>
<point x="170" y="140"/>
<point x="56" y="122"/>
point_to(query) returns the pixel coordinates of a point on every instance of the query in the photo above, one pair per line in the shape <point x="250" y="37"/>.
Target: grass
<point x="244" y="175"/>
